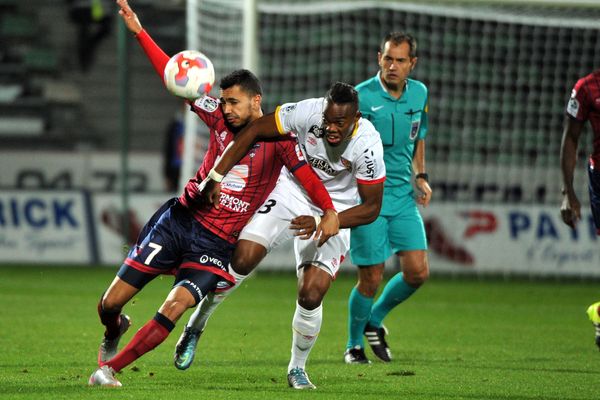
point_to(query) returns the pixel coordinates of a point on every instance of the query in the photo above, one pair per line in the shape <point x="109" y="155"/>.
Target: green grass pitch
<point x="454" y="339"/>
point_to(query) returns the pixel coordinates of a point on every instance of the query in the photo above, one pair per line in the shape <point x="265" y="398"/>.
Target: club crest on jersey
<point x="346" y="163"/>
<point x="414" y="126"/>
<point x="252" y="152"/>
<point x="207" y="104"/>
<point x="317" y="131"/>
<point x="210" y="260"/>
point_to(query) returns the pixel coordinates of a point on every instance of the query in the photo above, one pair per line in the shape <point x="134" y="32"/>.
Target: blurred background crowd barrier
<point x="499" y="75"/>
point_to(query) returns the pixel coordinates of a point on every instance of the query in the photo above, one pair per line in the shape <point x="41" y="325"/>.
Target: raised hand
<point x="129" y="17"/>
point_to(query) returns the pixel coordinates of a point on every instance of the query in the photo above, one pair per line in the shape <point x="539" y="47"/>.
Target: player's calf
<point x="109" y="345"/>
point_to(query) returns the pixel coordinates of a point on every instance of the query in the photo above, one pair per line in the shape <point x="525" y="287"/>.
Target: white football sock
<point x="305" y="328"/>
<point x="209" y="304"/>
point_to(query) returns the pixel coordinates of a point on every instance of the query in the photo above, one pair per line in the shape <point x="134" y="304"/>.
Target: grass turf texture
<point x="455" y="339"/>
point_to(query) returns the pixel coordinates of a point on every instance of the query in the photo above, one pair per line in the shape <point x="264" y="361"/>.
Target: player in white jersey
<point x="346" y="152"/>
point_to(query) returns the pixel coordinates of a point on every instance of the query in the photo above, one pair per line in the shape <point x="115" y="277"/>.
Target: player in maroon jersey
<point x="187" y="238"/>
<point x="584" y="105"/>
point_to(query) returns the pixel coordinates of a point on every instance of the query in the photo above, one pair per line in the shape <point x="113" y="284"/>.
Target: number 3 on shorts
<point x="266" y="208"/>
<point x="157" y="248"/>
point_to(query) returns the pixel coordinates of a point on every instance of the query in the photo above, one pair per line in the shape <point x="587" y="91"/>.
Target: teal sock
<point x="359" y="309"/>
<point x="394" y="293"/>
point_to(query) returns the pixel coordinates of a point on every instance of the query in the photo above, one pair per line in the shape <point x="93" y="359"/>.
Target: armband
<point x="215" y="176"/>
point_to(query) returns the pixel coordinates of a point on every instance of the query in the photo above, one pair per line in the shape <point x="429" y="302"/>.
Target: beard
<point x="391" y="85"/>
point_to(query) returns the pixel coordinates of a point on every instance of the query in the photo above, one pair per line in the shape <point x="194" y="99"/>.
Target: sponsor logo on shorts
<point x="191" y="284"/>
<point x="206" y="259"/>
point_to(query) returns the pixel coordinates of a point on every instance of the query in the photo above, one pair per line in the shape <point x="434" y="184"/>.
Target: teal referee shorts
<point x="399" y="227"/>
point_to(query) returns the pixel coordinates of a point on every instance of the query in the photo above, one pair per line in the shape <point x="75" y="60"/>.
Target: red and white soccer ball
<point x="189" y="74"/>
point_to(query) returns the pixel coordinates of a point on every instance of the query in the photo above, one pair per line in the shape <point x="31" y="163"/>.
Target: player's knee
<point x="310" y="298"/>
<point x="111" y="303"/>
<point x="242" y="266"/>
<point x="174" y="308"/>
<point x="369" y="280"/>
<point x="417" y="277"/>
<point x="246" y="257"/>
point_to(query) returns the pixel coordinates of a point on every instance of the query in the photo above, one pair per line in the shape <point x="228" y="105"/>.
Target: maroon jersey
<point x="248" y="183"/>
<point x="585" y="105"/>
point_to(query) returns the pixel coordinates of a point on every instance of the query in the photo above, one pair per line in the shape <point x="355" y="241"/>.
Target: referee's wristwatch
<point x="422" y="175"/>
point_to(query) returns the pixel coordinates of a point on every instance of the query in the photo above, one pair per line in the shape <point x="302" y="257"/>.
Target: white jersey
<point x="340" y="168"/>
<point x="358" y="160"/>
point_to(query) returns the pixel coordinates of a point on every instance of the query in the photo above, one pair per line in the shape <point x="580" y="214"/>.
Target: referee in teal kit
<point x="397" y="106"/>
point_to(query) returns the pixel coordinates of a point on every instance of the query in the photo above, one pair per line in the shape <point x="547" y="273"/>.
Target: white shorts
<point x="270" y="226"/>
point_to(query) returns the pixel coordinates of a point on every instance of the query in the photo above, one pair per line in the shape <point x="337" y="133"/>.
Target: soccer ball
<point x="189" y="74"/>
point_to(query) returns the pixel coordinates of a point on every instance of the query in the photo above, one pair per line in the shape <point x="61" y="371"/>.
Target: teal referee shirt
<point x="400" y="122"/>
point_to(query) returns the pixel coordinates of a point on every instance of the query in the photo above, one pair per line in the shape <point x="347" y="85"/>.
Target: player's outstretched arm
<point x="129" y="17"/>
<point x="570" y="209"/>
<point x="157" y="56"/>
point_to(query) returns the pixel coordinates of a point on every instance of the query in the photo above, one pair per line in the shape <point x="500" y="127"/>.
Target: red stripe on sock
<point x="147" y="338"/>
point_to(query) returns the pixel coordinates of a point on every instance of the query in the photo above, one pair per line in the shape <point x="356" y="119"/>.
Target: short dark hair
<point x="342" y="93"/>
<point x="398" y="38"/>
<point x="245" y="79"/>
